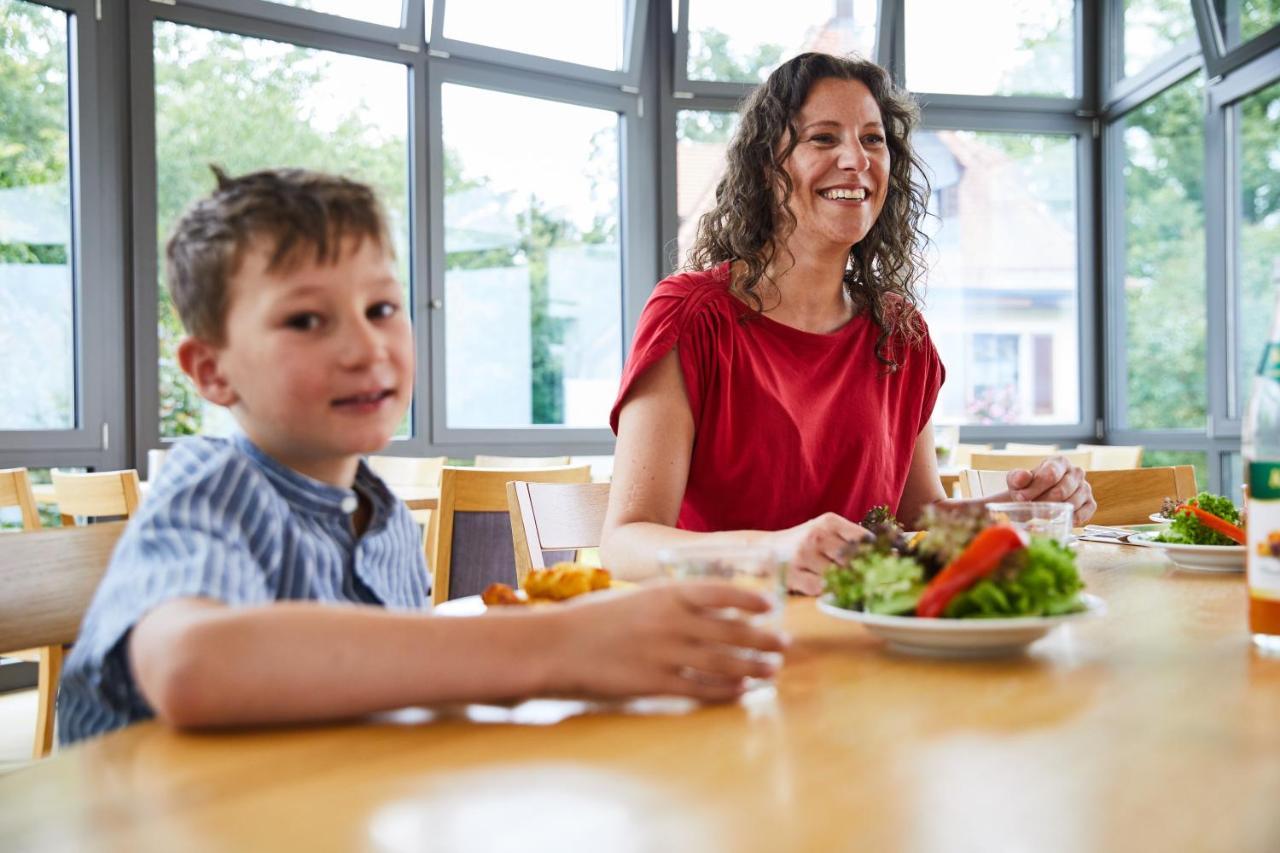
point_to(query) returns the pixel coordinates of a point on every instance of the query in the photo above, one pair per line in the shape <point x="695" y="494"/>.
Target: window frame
<point x="146" y="261"/>
<point x="100" y="436"/>
<point x="628" y="78"/>
<point x="407" y="35"/>
<point x="1221" y="60"/>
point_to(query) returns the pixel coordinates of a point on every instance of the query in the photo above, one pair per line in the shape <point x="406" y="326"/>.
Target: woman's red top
<point x="788" y="424"/>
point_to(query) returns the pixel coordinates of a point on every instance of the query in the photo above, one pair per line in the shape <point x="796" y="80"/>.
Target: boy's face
<point x="316" y="362"/>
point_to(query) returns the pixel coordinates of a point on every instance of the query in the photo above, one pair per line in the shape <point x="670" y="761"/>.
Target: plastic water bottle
<point x="1261" y="451"/>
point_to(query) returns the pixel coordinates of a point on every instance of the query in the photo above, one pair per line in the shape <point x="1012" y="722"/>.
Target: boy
<point x="219" y="605"/>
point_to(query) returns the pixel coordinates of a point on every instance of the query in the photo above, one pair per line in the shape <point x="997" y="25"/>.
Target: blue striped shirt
<point x="225" y="521"/>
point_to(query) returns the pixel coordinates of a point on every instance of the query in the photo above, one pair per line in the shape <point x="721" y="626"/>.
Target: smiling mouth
<point x="373" y="398"/>
<point x="842" y="194"/>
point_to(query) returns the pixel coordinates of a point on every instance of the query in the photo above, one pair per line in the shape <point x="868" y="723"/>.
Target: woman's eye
<point x="822" y="138"/>
<point x="382" y="311"/>
<point x="874" y="139"/>
<point x="303" y="321"/>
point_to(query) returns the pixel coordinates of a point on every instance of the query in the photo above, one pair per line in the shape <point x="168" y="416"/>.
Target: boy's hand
<point x="662" y="640"/>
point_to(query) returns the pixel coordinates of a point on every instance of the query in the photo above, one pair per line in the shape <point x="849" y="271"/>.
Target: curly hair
<point x="749" y="222"/>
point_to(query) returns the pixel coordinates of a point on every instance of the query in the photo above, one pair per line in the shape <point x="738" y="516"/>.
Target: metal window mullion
<point x="1114" y="351"/>
<point x="1221" y="287"/>
<point x="325" y="22"/>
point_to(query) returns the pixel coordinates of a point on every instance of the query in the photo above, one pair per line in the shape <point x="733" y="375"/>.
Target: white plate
<point x="1158" y="518"/>
<point x="469" y="605"/>
<point x="1195" y="558"/>
<point x="960" y="637"/>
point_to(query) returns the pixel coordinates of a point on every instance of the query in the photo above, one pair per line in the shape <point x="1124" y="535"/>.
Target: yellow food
<point x="564" y="580"/>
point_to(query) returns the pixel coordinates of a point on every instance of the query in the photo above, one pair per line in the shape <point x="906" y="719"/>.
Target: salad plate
<point x="1195" y="558"/>
<point x="960" y="638"/>
<point x="1159" y="519"/>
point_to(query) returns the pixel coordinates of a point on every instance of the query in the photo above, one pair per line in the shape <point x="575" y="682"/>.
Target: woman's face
<point x="840" y="167"/>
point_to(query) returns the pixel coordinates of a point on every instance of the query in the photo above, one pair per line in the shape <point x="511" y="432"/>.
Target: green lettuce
<point x="1039" y="580"/>
<point x="1186" y="529"/>
<point x="877" y="583"/>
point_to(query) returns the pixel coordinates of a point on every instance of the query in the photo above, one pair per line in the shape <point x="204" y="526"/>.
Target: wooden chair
<point x="999" y="460"/>
<point x="962" y="455"/>
<point x="1042" y="449"/>
<point x="1126" y="496"/>
<point x="1111" y="457"/>
<point x="483" y="461"/>
<point x="472" y="526"/>
<point x="553" y="517"/>
<point x="108" y="493"/>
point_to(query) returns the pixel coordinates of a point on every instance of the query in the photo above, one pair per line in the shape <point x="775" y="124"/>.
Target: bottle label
<point x="1263" y="529"/>
<point x="1269" y="367"/>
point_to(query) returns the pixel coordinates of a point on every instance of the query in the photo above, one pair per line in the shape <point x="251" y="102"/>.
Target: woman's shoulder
<point x="694" y="284"/>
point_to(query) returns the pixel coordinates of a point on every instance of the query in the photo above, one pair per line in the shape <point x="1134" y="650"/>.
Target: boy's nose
<point x="362" y="344"/>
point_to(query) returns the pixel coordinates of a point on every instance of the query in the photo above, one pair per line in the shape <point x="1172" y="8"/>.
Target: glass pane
<point x="1002" y="279"/>
<point x="726" y="44"/>
<point x="384" y="12"/>
<point x="37" y="294"/>
<point x="702" y="137"/>
<point x="1242" y="20"/>
<point x="1152" y="28"/>
<point x="1233" y="477"/>
<point x="1258" y="250"/>
<point x="533" y="270"/>
<point x="248" y="104"/>
<point x="991" y="48"/>
<point x="1196" y="458"/>
<point x="585" y="32"/>
<point x="1164" y="289"/>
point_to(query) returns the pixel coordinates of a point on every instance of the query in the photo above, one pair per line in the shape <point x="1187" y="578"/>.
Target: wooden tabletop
<point x="416" y="497"/>
<point x="1156" y="727"/>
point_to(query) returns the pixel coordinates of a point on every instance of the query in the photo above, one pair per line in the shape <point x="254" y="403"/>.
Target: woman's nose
<point x="854" y="158"/>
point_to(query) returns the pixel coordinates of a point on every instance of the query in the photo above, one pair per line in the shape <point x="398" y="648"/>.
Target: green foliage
<point x="1189" y="530"/>
<point x="1039" y="580"/>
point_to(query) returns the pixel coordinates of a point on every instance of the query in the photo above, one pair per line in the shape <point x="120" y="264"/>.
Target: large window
<point x="37" y="291"/>
<point x="533" y="278"/>
<point x="1164" y="268"/>
<point x="990" y="48"/>
<point x="245" y="104"/>
<point x="1242" y="20"/>
<point x="702" y="137"/>
<point x="384" y="12"/>
<point x="1151" y="29"/>
<point x="596" y="37"/>
<point x="1002" y="277"/>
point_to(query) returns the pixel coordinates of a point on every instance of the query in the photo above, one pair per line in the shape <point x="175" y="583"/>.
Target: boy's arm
<point x="200" y="663"/>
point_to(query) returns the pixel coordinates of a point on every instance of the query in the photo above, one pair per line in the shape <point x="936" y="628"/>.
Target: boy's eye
<point x="382" y="310"/>
<point x="303" y="321"/>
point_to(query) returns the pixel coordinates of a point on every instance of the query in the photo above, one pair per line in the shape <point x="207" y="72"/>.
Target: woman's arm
<point x="200" y="663"/>
<point x="651" y="469"/>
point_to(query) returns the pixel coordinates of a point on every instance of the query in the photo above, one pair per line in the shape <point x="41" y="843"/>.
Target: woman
<point x="785" y="384"/>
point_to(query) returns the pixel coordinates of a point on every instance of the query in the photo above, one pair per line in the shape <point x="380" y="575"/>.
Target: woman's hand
<point x="812" y="547"/>
<point x="672" y="639"/>
<point x="1054" y="479"/>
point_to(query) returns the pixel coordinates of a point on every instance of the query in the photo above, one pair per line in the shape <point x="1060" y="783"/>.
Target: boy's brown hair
<point x="291" y="210"/>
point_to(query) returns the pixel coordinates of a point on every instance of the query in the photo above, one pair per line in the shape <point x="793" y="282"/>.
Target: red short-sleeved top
<point x="788" y="424"/>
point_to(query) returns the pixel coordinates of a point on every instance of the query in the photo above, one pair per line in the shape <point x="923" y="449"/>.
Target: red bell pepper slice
<point x="979" y="559"/>
<point x="1214" y="523"/>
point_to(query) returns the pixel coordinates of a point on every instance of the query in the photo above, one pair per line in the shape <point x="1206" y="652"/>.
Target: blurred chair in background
<point x="554" y="517"/>
<point x="1109" y="457"/>
<point x="483" y="461"/>
<point x="1127" y="496"/>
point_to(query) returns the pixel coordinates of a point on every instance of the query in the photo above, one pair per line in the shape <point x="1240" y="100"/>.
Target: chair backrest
<point x="554" y="517"/>
<point x="1043" y="449"/>
<point x="15" y="490"/>
<point x="483" y="461"/>
<point x="408" y="470"/>
<point x="963" y="453"/>
<point x="49" y="579"/>
<point x="107" y="493"/>
<point x="1110" y="457"/>
<point x="1126" y="496"/>
<point x="1001" y="460"/>
<point x="471" y="528"/>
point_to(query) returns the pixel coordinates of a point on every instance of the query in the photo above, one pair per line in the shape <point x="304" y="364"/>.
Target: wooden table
<point x="1156" y="727"/>
<point x="416" y="497"/>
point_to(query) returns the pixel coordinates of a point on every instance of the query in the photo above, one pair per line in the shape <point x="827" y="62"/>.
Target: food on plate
<point x="963" y="565"/>
<point x="561" y="581"/>
<point x="1206" y="519"/>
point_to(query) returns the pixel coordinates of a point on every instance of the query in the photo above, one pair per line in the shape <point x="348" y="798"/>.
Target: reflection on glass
<point x="533" y="275"/>
<point x="384" y="12"/>
<point x="1258" y="250"/>
<point x="1021" y="48"/>
<point x="702" y="137"/>
<point x="37" y="309"/>
<point x="249" y="104"/>
<point x="1242" y="20"/>
<point x="1164" y="287"/>
<point x="1002" y="283"/>
<point x="726" y="44"/>
<point x="1196" y="458"/>
<point x="585" y="32"/>
<point x="1152" y="28"/>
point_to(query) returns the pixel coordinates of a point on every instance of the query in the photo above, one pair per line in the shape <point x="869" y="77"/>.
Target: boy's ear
<point x="200" y="360"/>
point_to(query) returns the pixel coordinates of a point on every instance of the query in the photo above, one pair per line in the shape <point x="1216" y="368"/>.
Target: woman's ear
<point x="201" y="361"/>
